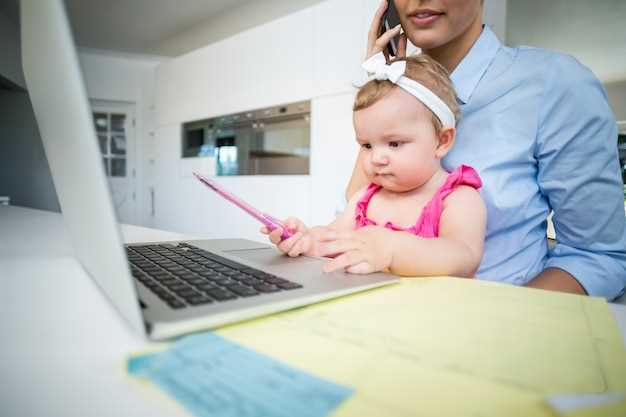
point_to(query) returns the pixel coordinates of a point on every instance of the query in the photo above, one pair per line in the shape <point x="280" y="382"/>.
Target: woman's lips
<point x="425" y="18"/>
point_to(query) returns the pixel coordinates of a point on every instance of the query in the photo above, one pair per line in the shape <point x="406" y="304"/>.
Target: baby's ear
<point x="447" y="136"/>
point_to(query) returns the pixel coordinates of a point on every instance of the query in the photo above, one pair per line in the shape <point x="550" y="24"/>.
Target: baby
<point x="414" y="218"/>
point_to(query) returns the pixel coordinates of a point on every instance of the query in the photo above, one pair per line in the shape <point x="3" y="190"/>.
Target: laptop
<point x="162" y="289"/>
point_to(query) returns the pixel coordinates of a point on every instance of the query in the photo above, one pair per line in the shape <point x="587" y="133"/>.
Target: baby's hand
<point x="305" y="243"/>
<point x="288" y="246"/>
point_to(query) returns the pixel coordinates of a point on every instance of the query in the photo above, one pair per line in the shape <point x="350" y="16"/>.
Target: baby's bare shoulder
<point x="464" y="195"/>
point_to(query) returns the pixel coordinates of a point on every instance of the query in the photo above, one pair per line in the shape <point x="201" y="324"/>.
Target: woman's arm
<point x="358" y="179"/>
<point x="556" y="279"/>
<point x="579" y="175"/>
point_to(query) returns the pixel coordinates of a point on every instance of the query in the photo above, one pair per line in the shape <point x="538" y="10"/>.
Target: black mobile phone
<point x="390" y="21"/>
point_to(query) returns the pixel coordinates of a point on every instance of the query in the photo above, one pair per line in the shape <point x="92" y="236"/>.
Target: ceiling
<point x="592" y="31"/>
<point x="152" y="26"/>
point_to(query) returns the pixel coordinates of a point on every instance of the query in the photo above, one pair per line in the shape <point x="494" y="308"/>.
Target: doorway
<point x="114" y="123"/>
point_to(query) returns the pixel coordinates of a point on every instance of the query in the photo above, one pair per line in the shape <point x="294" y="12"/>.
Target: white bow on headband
<point x="378" y="68"/>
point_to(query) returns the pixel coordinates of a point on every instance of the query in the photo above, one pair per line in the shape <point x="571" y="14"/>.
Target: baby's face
<point x="398" y="141"/>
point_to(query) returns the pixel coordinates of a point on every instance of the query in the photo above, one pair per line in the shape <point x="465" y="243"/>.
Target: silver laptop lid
<point x="57" y="92"/>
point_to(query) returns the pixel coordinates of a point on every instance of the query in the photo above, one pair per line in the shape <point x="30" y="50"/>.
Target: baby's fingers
<point x="287" y="244"/>
<point x="275" y="235"/>
<point x="344" y="261"/>
<point x="294" y="224"/>
<point x="300" y="247"/>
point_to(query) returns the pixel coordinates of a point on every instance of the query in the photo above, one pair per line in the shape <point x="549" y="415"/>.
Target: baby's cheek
<point x="369" y="172"/>
<point x="414" y="174"/>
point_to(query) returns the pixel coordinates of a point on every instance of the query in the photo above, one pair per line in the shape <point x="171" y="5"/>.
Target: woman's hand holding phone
<point x="377" y="42"/>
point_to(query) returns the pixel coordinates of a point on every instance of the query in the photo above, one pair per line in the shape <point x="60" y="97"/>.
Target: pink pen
<point x="269" y="221"/>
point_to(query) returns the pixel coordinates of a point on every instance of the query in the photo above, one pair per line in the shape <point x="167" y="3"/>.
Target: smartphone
<point x="390" y="21"/>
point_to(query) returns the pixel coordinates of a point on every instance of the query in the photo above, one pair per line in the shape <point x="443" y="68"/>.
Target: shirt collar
<point x="472" y="68"/>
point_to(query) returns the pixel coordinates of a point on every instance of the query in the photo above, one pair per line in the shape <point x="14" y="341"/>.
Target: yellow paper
<point x="449" y="347"/>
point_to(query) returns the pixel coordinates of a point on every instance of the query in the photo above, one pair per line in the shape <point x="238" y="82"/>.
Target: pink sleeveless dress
<point x="427" y="224"/>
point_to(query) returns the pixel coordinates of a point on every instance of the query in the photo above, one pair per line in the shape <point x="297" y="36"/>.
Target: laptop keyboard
<point x="183" y="275"/>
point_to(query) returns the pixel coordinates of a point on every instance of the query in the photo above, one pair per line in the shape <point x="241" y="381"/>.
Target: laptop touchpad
<point x="269" y="256"/>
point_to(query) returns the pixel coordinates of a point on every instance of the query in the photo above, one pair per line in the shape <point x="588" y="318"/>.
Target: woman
<point x="538" y="128"/>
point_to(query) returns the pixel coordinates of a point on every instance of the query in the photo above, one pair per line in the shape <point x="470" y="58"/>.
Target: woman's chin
<point x="428" y="39"/>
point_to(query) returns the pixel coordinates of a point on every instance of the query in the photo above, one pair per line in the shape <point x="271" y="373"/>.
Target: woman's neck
<point x="452" y="53"/>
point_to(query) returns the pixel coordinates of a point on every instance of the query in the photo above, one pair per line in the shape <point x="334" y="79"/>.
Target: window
<point x="111" y="132"/>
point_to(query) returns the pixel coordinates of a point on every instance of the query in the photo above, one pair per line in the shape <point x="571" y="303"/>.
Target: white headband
<point x="378" y="68"/>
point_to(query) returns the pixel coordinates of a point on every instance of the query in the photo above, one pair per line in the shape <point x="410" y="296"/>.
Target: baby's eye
<point x="366" y="146"/>
<point x="394" y="144"/>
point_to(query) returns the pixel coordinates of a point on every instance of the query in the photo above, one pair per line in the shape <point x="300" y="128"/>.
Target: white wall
<point x="130" y="79"/>
<point x="591" y="31"/>
<point x="494" y="15"/>
<point x="236" y="18"/>
<point x="313" y="54"/>
<point x="616" y="93"/>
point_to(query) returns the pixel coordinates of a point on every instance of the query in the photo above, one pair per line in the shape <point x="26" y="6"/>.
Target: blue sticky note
<point x="211" y="376"/>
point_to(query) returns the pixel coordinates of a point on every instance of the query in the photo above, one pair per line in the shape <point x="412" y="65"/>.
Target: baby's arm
<point x="305" y="240"/>
<point x="457" y="251"/>
<point x="459" y="248"/>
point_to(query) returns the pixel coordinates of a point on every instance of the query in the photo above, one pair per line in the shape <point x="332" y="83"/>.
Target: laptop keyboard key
<point x="143" y="278"/>
<point x="211" y="274"/>
<point x="206" y="287"/>
<point x="202" y="299"/>
<point x="221" y="294"/>
<point x="224" y="282"/>
<point x="266" y="288"/>
<point x="165" y="296"/>
<point x="176" y="304"/>
<point x="251" y="281"/>
<point x="288" y="285"/>
<point x="243" y="290"/>
<point x="187" y="292"/>
<point x="178" y="287"/>
<point x="274" y="280"/>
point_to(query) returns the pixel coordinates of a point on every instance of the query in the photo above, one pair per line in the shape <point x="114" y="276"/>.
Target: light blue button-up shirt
<point x="537" y="127"/>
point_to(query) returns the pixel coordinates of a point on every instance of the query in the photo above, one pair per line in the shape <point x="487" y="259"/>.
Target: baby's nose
<point x="379" y="157"/>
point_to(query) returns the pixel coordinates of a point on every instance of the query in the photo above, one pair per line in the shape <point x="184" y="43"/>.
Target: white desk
<point x="63" y="347"/>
